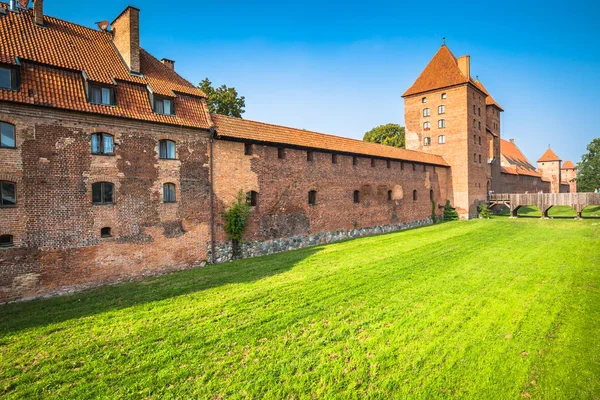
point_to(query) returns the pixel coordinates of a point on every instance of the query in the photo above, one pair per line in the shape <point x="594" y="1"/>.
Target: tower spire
<point x="444" y="41"/>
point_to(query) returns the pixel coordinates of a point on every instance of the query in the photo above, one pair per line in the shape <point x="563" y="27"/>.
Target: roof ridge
<point x="171" y="70"/>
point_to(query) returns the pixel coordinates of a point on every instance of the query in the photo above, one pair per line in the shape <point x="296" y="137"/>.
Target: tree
<point x="588" y="170"/>
<point x="223" y="100"/>
<point x="389" y="134"/>
<point x="236" y="221"/>
<point x="450" y="213"/>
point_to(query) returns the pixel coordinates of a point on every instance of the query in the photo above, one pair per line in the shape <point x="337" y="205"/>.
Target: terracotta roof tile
<point x="442" y="71"/>
<point x="549" y="155"/>
<point x="237" y="128"/>
<point x="54" y="57"/>
<point x="568" y="165"/>
<point x="489" y="100"/>
<point x="515" y="157"/>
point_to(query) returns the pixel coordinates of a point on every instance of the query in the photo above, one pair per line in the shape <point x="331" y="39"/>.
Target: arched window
<point x="7" y="135"/>
<point x="9" y="194"/>
<point x="252" y="198"/>
<point x="414" y="195"/>
<point x="431" y="194"/>
<point x="102" y="193"/>
<point x="356" y="196"/>
<point x="312" y="197"/>
<point x="389" y="196"/>
<point x="169" y="193"/>
<point x="6" y="240"/>
<point x="166" y="149"/>
<point x="102" y="143"/>
<point x="105" y="232"/>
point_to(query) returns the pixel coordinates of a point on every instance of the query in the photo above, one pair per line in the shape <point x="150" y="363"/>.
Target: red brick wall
<point x="568" y="175"/>
<point x="523" y="183"/>
<point x="56" y="227"/>
<point x="551" y="170"/>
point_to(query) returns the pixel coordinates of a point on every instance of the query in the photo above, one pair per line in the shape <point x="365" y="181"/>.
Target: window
<point x="102" y="144"/>
<point x="163" y="106"/>
<point x="414" y="167"/>
<point x="479" y="111"/>
<point x="388" y="164"/>
<point x="474" y="109"/>
<point x="443" y="95"/>
<point x="9" y="194"/>
<point x="475" y="158"/>
<point x="431" y="195"/>
<point x="9" y="78"/>
<point x="441" y="123"/>
<point x="102" y="193"/>
<point x="105" y="232"/>
<point x="334" y="158"/>
<point x="414" y="195"/>
<point x="424" y="168"/>
<point x="354" y="160"/>
<point x="426" y="112"/>
<point x="281" y="153"/>
<point x="309" y="155"/>
<point x="356" y="196"/>
<point x="252" y="198"/>
<point x="372" y="162"/>
<point x="102" y="95"/>
<point x="7" y="135"/>
<point x="479" y="125"/>
<point x="166" y="149"/>
<point x="389" y="196"/>
<point x="474" y="123"/>
<point x="480" y="159"/>
<point x="312" y="197"/>
<point x="426" y="125"/>
<point x="426" y="141"/>
<point x="6" y="241"/>
<point x="441" y="139"/>
<point x="475" y="139"/>
<point x="424" y="100"/>
<point x="169" y="193"/>
<point x="441" y="109"/>
<point x="247" y="149"/>
<point x="479" y="139"/>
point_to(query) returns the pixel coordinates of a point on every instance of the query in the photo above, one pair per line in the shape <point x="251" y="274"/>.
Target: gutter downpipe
<point x="211" y="195"/>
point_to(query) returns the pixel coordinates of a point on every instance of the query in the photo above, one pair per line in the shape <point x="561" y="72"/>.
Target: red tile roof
<point x="515" y="157"/>
<point x="549" y="155"/>
<point x="489" y="100"/>
<point x="568" y="165"/>
<point x="243" y="129"/>
<point x="442" y="71"/>
<point x="54" y="57"/>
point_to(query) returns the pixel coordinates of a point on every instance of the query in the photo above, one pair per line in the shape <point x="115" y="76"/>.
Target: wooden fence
<point x="545" y="201"/>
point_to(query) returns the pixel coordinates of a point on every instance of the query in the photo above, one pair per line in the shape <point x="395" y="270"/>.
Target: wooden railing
<point x="544" y="201"/>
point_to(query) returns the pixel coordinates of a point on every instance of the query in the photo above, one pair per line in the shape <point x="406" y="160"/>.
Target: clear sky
<point x="341" y="67"/>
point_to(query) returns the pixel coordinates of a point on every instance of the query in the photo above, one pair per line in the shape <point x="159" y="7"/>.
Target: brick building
<point x="112" y="168"/>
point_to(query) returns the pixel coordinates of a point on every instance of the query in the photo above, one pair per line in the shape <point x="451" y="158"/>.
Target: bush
<point x="484" y="211"/>
<point x="236" y="221"/>
<point x="450" y="213"/>
<point x="433" y="216"/>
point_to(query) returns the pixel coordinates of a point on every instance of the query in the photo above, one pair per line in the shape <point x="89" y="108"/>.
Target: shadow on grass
<point x="15" y="317"/>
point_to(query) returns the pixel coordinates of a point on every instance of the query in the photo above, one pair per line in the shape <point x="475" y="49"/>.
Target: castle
<point x="112" y="167"/>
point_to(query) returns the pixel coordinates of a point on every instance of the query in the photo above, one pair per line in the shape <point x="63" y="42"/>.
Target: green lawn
<point x="499" y="309"/>
<point x="555" y="212"/>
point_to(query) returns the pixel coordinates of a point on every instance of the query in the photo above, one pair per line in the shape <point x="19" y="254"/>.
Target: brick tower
<point x="569" y="173"/>
<point x="446" y="113"/>
<point x="549" y="167"/>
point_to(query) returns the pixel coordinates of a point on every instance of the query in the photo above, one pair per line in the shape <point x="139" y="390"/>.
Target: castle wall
<point x="523" y="184"/>
<point x="55" y="226"/>
<point x="551" y="170"/>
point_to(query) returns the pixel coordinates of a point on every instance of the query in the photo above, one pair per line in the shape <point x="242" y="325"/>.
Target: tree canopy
<point x="588" y="170"/>
<point x="223" y="100"/>
<point x="388" y="134"/>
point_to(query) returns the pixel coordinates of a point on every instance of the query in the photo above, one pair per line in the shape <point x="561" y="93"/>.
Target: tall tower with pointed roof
<point x="448" y="113"/>
<point x="569" y="173"/>
<point x="549" y="166"/>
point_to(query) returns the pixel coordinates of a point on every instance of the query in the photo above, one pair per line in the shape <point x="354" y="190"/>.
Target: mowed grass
<point x="555" y="212"/>
<point x="483" y="309"/>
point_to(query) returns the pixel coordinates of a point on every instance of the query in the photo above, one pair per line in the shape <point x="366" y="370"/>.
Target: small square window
<point x="426" y="141"/>
<point x="164" y="106"/>
<point x="443" y="95"/>
<point x="281" y="153"/>
<point x="424" y="100"/>
<point x="105" y="232"/>
<point x="309" y="156"/>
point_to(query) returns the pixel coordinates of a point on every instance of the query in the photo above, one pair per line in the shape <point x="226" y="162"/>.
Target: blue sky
<point x="341" y="67"/>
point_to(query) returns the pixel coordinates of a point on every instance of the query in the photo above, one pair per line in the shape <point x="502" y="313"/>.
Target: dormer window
<point x="104" y="95"/>
<point x="163" y="106"/>
<point x="8" y="78"/>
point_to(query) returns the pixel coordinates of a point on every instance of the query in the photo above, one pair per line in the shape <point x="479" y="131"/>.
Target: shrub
<point x="450" y="213"/>
<point x="236" y="221"/>
<point x="433" y="216"/>
<point x="484" y="211"/>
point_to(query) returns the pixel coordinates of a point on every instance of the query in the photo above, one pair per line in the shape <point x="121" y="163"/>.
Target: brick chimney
<point x="512" y="141"/>
<point x="464" y="64"/>
<point x="126" y="37"/>
<point x="168" y="63"/>
<point x="38" y="12"/>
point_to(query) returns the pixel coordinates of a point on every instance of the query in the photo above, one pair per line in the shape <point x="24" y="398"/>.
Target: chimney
<point x="38" y="12"/>
<point x="464" y="64"/>
<point x="168" y="63"/>
<point x="126" y="37"/>
<point x="512" y="141"/>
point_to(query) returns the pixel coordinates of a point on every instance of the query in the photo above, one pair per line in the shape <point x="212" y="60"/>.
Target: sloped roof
<point x="568" y="165"/>
<point x="489" y="100"/>
<point x="515" y="157"/>
<point x="54" y="57"/>
<point x="243" y="129"/>
<point x="442" y="71"/>
<point x="549" y="155"/>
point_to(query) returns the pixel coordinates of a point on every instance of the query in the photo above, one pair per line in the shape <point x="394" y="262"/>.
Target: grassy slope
<point x="480" y="309"/>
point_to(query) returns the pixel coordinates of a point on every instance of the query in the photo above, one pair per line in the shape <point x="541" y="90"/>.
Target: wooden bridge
<point x="545" y="201"/>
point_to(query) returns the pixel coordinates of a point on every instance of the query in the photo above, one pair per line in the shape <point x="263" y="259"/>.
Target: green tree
<point x="236" y="221"/>
<point x="388" y="134"/>
<point x="223" y="100"/>
<point x="450" y="213"/>
<point x="588" y="170"/>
